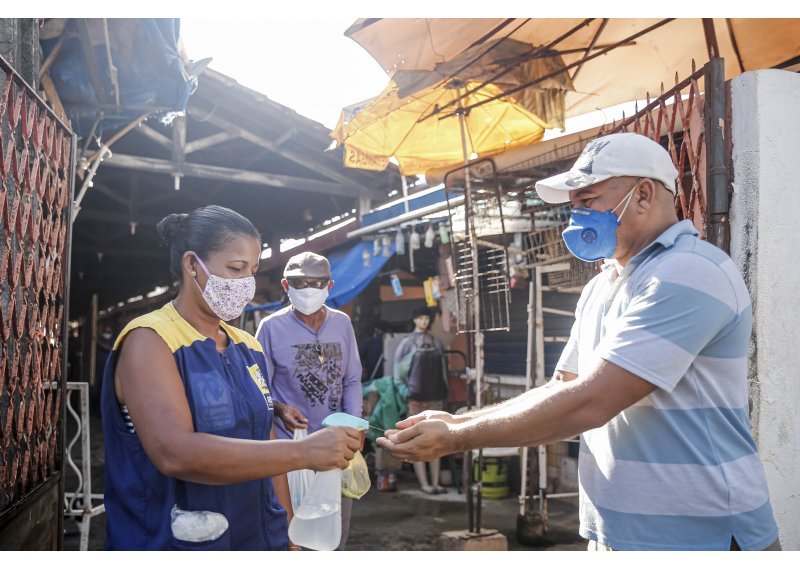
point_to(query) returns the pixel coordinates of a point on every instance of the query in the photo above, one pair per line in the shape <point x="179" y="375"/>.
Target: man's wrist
<point x="462" y="418"/>
<point x="460" y="437"/>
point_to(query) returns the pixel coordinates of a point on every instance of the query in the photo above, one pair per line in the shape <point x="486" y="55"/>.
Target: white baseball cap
<point x="615" y="155"/>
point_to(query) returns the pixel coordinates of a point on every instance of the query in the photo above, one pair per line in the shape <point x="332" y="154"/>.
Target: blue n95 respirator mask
<point x="592" y="235"/>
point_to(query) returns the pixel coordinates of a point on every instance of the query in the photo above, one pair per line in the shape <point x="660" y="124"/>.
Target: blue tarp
<point x="150" y="72"/>
<point x="349" y="274"/>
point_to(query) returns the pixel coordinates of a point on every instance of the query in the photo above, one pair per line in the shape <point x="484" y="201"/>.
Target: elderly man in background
<point x="654" y="374"/>
<point x="312" y="356"/>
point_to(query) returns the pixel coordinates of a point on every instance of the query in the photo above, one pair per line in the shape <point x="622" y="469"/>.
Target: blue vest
<point x="228" y="396"/>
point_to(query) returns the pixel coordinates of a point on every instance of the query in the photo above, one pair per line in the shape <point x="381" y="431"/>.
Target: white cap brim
<point x="556" y="189"/>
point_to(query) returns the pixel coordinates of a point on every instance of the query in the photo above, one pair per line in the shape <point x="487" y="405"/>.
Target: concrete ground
<point x="412" y="520"/>
<point x="407" y="519"/>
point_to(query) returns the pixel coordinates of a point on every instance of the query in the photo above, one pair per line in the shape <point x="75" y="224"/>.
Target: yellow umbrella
<point x="410" y="129"/>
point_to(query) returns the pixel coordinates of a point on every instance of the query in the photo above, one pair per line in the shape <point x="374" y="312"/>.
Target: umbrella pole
<point x="404" y="185"/>
<point x="476" y="300"/>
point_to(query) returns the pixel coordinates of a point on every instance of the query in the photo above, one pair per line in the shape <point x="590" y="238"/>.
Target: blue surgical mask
<point x="592" y="235"/>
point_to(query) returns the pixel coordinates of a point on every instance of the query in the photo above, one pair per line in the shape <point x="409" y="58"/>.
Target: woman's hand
<point x="330" y="448"/>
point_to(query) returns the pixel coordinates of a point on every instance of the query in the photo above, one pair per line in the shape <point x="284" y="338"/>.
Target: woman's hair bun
<point x="169" y="227"/>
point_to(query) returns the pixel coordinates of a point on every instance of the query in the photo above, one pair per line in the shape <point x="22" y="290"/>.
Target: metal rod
<point x="479" y="490"/>
<point x="88" y="181"/>
<point x="539" y="359"/>
<point x="734" y="44"/>
<point x="404" y="185"/>
<point x="510" y="65"/>
<point x="454" y="74"/>
<point x="565" y="68"/>
<point x="6" y="67"/>
<point x="467" y="479"/>
<point x="543" y="482"/>
<point x="718" y="201"/>
<point x="61" y="381"/>
<point x="501" y="255"/>
<point x="673" y="92"/>
<point x="493" y="31"/>
<point x="97" y="121"/>
<point x="92" y="342"/>
<point x="476" y="301"/>
<point x="558" y="312"/>
<point x="589" y="49"/>
<point x="112" y="70"/>
<point x="78" y="473"/>
<point x="528" y="384"/>
<point x="53" y="54"/>
<point x="232" y="175"/>
<point x="82" y="25"/>
<point x="558" y="495"/>
<point x="86" y="459"/>
<point x="711" y="38"/>
<point x="120" y="134"/>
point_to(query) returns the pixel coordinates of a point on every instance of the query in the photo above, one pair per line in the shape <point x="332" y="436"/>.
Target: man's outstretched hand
<point x="426" y="415"/>
<point x="420" y="439"/>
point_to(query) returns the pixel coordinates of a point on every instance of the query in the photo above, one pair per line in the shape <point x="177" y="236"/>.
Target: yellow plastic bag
<point x="355" y="478"/>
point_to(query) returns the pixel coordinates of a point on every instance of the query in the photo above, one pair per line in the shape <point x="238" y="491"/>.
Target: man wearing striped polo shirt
<point x="654" y="375"/>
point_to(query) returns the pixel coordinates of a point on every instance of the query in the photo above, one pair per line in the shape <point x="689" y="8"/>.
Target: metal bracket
<point x="79" y="503"/>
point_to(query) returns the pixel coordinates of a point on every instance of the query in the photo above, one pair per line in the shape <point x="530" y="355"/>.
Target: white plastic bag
<point x="317" y="522"/>
<point x="197" y="526"/>
<point x="300" y="480"/>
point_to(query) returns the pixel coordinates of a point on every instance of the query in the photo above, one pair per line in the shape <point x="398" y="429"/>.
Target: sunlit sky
<point x="306" y="64"/>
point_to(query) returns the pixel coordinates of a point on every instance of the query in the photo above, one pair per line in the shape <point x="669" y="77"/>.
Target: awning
<point x="349" y="274"/>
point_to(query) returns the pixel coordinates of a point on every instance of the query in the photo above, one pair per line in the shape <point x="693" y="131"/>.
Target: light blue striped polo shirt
<point x="679" y="470"/>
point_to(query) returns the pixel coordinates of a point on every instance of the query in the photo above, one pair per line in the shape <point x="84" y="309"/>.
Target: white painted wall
<point x="765" y="244"/>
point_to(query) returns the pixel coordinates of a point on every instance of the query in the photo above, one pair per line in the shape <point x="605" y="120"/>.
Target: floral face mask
<point x="227" y="297"/>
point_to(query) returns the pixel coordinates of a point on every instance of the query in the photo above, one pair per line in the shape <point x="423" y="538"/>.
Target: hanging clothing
<point x="228" y="396"/>
<point x="421" y="364"/>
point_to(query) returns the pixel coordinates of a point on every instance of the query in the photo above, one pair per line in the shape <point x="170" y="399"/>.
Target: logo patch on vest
<point x="258" y="378"/>
<point x="261" y="383"/>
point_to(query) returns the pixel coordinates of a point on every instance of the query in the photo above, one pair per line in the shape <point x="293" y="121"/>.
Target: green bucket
<point x="495" y="478"/>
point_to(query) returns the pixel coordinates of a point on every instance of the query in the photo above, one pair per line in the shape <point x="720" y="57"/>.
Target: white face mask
<point x="308" y="300"/>
<point x="227" y="297"/>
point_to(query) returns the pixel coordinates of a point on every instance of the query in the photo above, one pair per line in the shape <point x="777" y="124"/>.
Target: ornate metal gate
<point x="37" y="153"/>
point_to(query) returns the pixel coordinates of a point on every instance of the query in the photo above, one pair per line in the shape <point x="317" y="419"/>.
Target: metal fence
<point x="36" y="172"/>
<point x="690" y="124"/>
<point x="690" y="120"/>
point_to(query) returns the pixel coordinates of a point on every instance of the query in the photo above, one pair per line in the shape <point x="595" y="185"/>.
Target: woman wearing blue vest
<point x="191" y="463"/>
